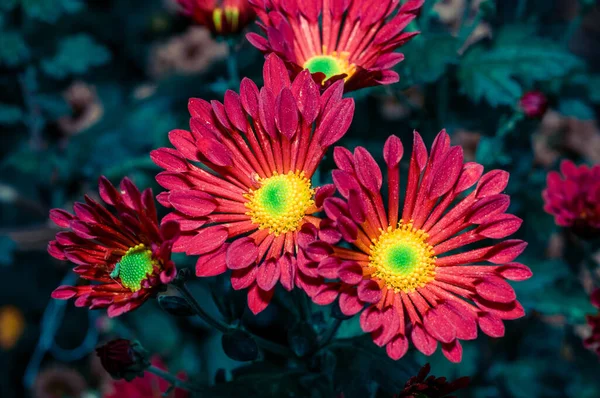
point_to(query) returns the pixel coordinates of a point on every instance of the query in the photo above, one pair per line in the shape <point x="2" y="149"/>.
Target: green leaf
<point x="50" y="10"/>
<point x="428" y="56"/>
<point x="516" y="59"/>
<point x="10" y="114"/>
<point x="13" y="49"/>
<point x="576" y="108"/>
<point x="594" y="89"/>
<point x="76" y="54"/>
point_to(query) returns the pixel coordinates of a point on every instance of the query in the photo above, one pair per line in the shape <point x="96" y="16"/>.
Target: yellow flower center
<point x="134" y="267"/>
<point x="280" y="204"/>
<point x="331" y="65"/>
<point x="402" y="258"/>
<point x="232" y="18"/>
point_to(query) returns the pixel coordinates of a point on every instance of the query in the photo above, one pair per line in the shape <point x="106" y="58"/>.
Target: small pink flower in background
<point x="402" y="272"/>
<point x="573" y="198"/>
<point x="222" y="17"/>
<point x="127" y="254"/>
<point x="352" y="40"/>
<point x="147" y="386"/>
<point x="243" y="209"/>
<point x="534" y="104"/>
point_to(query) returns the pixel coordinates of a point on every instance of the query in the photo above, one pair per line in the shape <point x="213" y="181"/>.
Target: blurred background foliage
<point x="88" y="88"/>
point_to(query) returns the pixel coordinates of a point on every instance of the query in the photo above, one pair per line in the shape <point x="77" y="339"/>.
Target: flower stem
<point x="331" y="332"/>
<point x="206" y="317"/>
<point x="222" y="327"/>
<point x="232" y="65"/>
<point x="178" y="383"/>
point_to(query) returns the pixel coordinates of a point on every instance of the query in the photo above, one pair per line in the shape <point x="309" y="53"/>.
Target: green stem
<point x="509" y="125"/>
<point x="331" y="332"/>
<point x="232" y="65"/>
<point x="225" y="328"/>
<point x="178" y="383"/>
<point x="206" y="317"/>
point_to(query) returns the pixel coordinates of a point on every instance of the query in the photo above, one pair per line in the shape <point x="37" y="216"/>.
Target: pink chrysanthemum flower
<point x="243" y="207"/>
<point x="593" y="341"/>
<point x="403" y="265"/>
<point x="128" y="255"/>
<point x="574" y="198"/>
<point x="222" y="17"/>
<point x="353" y="40"/>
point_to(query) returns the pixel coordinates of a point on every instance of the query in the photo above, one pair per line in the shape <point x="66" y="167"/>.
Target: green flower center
<point x="134" y="267"/>
<point x="280" y="204"/>
<point x="330" y="65"/>
<point x="402" y="258"/>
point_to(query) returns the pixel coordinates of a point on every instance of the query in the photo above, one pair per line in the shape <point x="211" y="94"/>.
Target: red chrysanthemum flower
<point x="222" y="17"/>
<point x="147" y="386"/>
<point x="593" y="341"/>
<point x="421" y="386"/>
<point x="337" y="39"/>
<point x="242" y="210"/>
<point x="406" y="271"/>
<point x="533" y="104"/>
<point x="574" y="198"/>
<point x="127" y="254"/>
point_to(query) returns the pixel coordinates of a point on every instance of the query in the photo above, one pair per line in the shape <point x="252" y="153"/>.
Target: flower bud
<point x="533" y="104"/>
<point x="123" y="359"/>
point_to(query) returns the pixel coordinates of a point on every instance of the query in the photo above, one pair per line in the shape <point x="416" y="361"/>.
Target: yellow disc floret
<point x="134" y="267"/>
<point x="402" y="258"/>
<point x="331" y="65"/>
<point x="281" y="202"/>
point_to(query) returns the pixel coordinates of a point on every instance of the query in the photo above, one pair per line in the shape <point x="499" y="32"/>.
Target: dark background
<point x="89" y="88"/>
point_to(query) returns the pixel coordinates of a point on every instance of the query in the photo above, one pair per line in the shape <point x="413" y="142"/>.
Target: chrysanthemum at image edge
<point x="127" y="255"/>
<point x="402" y="270"/>
<point x="573" y="198"/>
<point x="353" y="40"/>
<point x="222" y="17"/>
<point x="239" y="183"/>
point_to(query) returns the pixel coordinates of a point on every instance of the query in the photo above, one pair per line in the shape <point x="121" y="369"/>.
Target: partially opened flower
<point x="240" y="181"/>
<point x="222" y="17"/>
<point x="422" y="385"/>
<point x="573" y="198"/>
<point x="593" y="340"/>
<point x="353" y="40"/>
<point x="126" y="254"/>
<point x="404" y="271"/>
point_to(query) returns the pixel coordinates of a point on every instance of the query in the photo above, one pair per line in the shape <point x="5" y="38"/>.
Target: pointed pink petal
<point x="241" y="253"/>
<point x="258" y="299"/>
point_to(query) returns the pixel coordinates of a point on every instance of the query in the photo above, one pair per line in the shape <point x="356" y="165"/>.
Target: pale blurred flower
<point x="58" y="382"/>
<point x="558" y="134"/>
<point x="452" y="14"/>
<point x="190" y="53"/>
<point x="468" y="140"/>
<point x="86" y="108"/>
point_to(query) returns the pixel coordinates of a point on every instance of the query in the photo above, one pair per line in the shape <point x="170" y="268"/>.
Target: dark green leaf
<point x="76" y="54"/>
<point x="13" y="49"/>
<point x="240" y="346"/>
<point x="517" y="58"/>
<point x="10" y="114"/>
<point x="302" y="338"/>
<point x="175" y="305"/>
